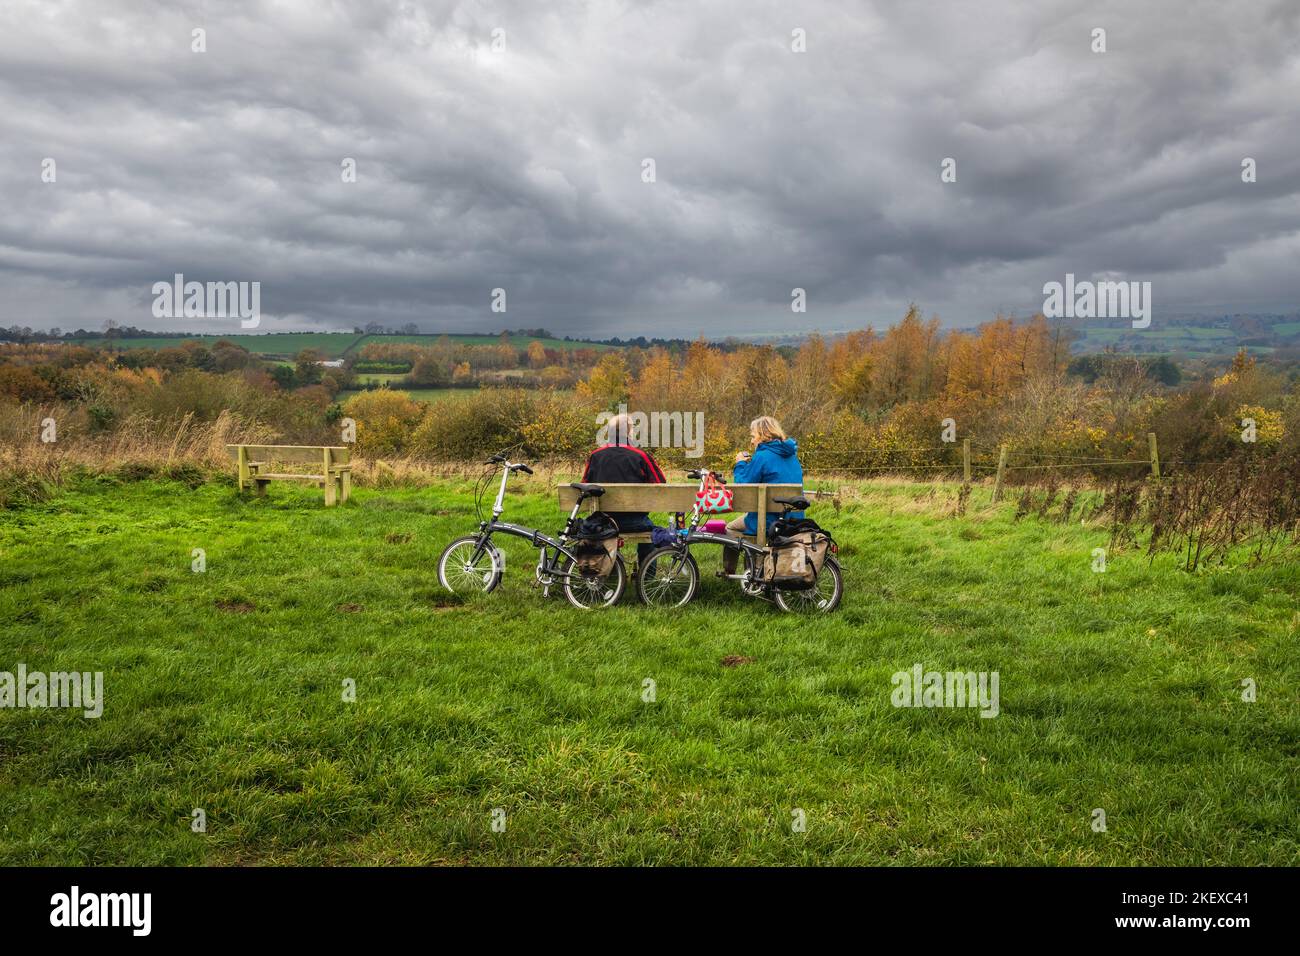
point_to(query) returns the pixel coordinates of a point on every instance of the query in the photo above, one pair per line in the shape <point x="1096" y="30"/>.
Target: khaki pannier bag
<point x="595" y="558"/>
<point x="796" y="556"/>
<point x="595" y="545"/>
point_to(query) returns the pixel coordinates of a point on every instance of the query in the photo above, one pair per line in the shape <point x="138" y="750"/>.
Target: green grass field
<point x="223" y="691"/>
<point x="419" y="394"/>
<point x="433" y="394"/>
<point x="381" y="378"/>
<point x="1186" y="337"/>
<point x="518" y="341"/>
<point x="331" y="345"/>
<point x="439" y="394"/>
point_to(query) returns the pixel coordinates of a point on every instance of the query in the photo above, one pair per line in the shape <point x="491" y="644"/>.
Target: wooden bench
<point x="675" y="497"/>
<point x="256" y="471"/>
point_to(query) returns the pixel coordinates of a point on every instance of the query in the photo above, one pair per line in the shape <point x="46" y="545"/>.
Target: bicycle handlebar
<point x="699" y="473"/>
<point x="503" y="460"/>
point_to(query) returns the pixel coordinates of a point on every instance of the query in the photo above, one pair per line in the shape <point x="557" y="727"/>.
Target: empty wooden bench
<point x="330" y="467"/>
<point x="680" y="497"/>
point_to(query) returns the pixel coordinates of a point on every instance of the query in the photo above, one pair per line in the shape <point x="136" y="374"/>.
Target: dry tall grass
<point x="137" y="440"/>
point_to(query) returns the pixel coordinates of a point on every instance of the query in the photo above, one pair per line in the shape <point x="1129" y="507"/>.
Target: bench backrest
<point x="339" y="454"/>
<point x="679" y="497"/>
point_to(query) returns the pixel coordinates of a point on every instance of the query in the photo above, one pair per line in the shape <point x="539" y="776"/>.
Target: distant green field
<point x="332" y="345"/>
<point x="419" y="394"/>
<point x="439" y="394"/>
<point x="1287" y="328"/>
<point x="1175" y="340"/>
<point x="1195" y="333"/>
<point x="518" y="341"/>
<point x="380" y="378"/>
<point x="433" y="394"/>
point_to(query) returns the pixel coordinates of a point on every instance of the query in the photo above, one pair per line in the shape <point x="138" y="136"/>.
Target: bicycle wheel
<point x="753" y="569"/>
<point x="590" y="591"/>
<point x="823" y="597"/>
<point x="459" y="571"/>
<point x="667" y="577"/>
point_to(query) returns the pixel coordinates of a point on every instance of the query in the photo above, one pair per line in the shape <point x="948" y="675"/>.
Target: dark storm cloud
<point x="521" y="169"/>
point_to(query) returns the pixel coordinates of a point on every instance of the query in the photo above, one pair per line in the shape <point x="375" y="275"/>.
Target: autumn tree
<point x="656" y="387"/>
<point x="607" y="385"/>
<point x="427" y="370"/>
<point x="307" y="368"/>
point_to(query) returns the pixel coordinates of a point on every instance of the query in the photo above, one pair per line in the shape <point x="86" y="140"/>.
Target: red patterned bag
<point x="714" y="497"/>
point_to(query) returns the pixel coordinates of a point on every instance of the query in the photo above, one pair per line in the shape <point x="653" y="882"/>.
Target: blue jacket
<point x="773" y="463"/>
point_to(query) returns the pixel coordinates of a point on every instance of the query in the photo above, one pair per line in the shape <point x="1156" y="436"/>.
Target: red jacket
<point x="624" y="464"/>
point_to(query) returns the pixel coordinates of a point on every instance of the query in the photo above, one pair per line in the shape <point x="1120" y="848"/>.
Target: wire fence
<point x="999" y="461"/>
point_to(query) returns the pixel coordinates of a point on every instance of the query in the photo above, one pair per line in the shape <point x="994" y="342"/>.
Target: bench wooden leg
<point x="328" y="474"/>
<point x="345" y="485"/>
<point x="261" y="484"/>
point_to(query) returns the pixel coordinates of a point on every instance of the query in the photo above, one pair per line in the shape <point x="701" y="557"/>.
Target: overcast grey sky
<point x="521" y="168"/>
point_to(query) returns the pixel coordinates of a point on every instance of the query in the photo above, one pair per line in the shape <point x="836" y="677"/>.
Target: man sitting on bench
<point x="621" y="461"/>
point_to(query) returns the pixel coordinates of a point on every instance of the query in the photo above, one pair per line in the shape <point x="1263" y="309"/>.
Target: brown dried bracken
<point x="1207" y="512"/>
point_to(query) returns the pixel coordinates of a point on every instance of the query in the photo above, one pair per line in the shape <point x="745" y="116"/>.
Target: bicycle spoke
<point x="465" y="574"/>
<point x="667" y="581"/>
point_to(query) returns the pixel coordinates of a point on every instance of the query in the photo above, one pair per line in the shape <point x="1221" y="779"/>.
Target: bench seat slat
<point x="676" y="496"/>
<point x="341" y="454"/>
<point x="680" y="496"/>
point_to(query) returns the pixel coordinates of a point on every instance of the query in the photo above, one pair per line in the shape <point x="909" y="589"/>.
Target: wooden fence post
<point x="1002" y="468"/>
<point x="965" y="459"/>
<point x="1155" y="455"/>
<point x="329" y="479"/>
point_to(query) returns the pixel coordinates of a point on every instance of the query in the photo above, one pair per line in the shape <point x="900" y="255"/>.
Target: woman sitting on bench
<point x="775" y="461"/>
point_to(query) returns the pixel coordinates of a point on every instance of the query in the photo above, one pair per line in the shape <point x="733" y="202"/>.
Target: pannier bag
<point x="796" y="552"/>
<point x="595" y="545"/>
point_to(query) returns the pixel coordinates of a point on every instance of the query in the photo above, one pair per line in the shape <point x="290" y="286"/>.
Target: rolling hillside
<point x="331" y="345"/>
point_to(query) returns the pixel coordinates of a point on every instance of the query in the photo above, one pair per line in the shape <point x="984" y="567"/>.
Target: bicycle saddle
<point x="796" y="504"/>
<point x="593" y="491"/>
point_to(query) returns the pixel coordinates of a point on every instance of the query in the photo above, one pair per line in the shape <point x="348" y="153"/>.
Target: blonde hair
<point x="767" y="428"/>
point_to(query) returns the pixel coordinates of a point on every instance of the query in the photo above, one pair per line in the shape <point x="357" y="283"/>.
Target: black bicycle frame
<point x="538" y="539"/>
<point x="683" y="542"/>
<point x="708" y="537"/>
